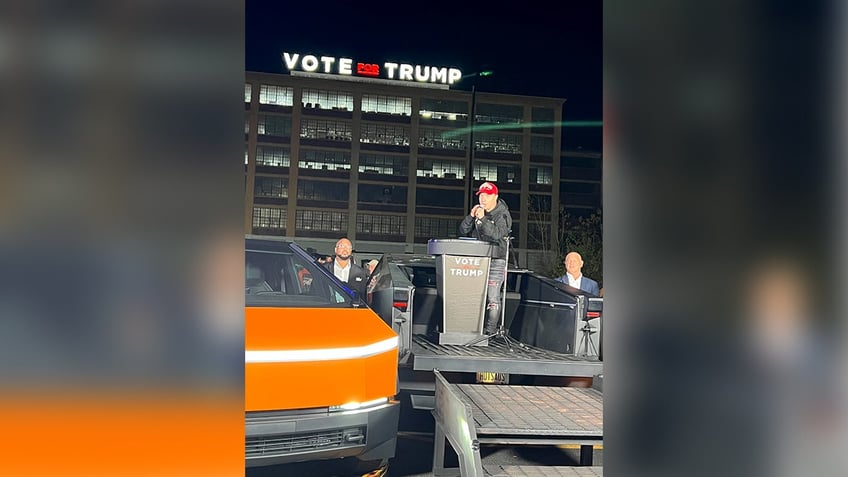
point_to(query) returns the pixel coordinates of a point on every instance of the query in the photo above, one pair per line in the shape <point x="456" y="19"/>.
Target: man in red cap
<point x="490" y="221"/>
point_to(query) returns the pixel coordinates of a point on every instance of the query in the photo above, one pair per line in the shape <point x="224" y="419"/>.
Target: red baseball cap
<point x="487" y="188"/>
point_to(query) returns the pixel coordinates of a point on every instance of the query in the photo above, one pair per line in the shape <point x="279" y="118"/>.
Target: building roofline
<point x="403" y="84"/>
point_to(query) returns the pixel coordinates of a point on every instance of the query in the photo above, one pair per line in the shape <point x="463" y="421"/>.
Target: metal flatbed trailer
<point x="536" y="415"/>
<point x="501" y="358"/>
<point x="468" y="415"/>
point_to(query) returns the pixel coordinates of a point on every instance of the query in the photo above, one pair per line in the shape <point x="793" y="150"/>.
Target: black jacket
<point x="494" y="227"/>
<point x="357" y="278"/>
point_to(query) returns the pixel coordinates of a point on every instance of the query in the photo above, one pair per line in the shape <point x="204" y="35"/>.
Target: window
<point x="325" y="129"/>
<point x="247" y="92"/>
<point x="272" y="156"/>
<point x="542" y="146"/>
<point x="584" y="162"/>
<point x="385" y="134"/>
<point x="245" y="155"/>
<point x="436" y="109"/>
<point x="432" y="227"/>
<point x="494" y="142"/>
<point x="439" y="197"/>
<point x="269" y="218"/>
<point x="513" y="201"/>
<point x="381" y="224"/>
<point x="382" y="194"/>
<point x="276" y="187"/>
<point x="442" y="168"/>
<point x="540" y="175"/>
<point x="319" y="190"/>
<point x="490" y="171"/>
<point x="286" y="278"/>
<point x="246" y="125"/>
<point x="538" y="235"/>
<point x="499" y="114"/>
<point x="579" y="187"/>
<point x="320" y="99"/>
<point x="321" y="220"/>
<point x="540" y="203"/>
<point x="441" y="139"/>
<point x="541" y="115"/>
<point x="271" y="125"/>
<point x="543" y="119"/>
<point x="383" y="164"/>
<point x="386" y="104"/>
<point x="325" y="160"/>
<point x="277" y="95"/>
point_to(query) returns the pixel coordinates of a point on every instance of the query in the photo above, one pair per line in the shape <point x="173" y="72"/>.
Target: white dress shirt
<point x="341" y="273"/>
<point x="574" y="282"/>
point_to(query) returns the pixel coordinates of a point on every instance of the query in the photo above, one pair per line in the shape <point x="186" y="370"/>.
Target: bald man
<point x="345" y="270"/>
<point x="574" y="275"/>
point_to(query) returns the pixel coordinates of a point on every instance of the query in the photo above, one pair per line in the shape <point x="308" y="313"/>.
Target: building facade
<point x="580" y="182"/>
<point x="387" y="163"/>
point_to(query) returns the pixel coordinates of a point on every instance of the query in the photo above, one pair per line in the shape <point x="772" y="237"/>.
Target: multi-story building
<point x="580" y="181"/>
<point x="386" y="162"/>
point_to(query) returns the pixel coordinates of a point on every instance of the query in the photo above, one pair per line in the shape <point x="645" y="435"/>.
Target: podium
<point x="462" y="273"/>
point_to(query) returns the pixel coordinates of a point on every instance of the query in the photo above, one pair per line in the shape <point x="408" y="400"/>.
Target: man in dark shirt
<point x="490" y="221"/>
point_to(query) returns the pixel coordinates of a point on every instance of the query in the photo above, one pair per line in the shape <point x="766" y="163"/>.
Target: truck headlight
<point x="353" y="406"/>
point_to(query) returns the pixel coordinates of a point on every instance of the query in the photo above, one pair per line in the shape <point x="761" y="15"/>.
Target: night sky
<point x="543" y="51"/>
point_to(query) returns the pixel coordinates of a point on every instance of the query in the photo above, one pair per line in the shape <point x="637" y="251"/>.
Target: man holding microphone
<point x="490" y="221"/>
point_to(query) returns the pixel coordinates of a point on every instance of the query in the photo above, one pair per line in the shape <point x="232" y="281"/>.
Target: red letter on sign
<point x="366" y="69"/>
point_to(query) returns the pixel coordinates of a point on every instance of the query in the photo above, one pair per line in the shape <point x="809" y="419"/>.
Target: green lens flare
<point x="546" y="124"/>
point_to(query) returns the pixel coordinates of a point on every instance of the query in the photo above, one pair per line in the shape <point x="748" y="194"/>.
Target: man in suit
<point x="574" y="276"/>
<point x="345" y="270"/>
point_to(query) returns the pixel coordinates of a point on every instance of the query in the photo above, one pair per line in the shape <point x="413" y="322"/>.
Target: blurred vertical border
<point x="724" y="214"/>
<point x="122" y="240"/>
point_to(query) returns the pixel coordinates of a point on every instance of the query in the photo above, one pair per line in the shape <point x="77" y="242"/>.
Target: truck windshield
<point x="287" y="279"/>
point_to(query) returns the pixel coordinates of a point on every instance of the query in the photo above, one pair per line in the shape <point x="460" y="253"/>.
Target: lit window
<point x="276" y="95"/>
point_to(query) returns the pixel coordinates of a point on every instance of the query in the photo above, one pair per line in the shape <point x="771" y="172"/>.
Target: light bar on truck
<point x="352" y="406"/>
<point x="322" y="354"/>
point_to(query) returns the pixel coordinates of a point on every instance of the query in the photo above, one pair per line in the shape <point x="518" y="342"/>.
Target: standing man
<point x="490" y="221"/>
<point x="574" y="275"/>
<point x="345" y="270"/>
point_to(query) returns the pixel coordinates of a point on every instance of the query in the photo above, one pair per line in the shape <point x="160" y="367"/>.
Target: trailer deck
<point x="534" y="415"/>
<point x="500" y="357"/>
<point x="468" y="415"/>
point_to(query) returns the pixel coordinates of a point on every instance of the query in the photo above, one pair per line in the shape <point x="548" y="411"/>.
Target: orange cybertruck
<point x="320" y="366"/>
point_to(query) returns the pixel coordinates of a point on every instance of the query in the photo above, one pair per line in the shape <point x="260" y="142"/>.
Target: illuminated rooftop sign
<point x="389" y="70"/>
